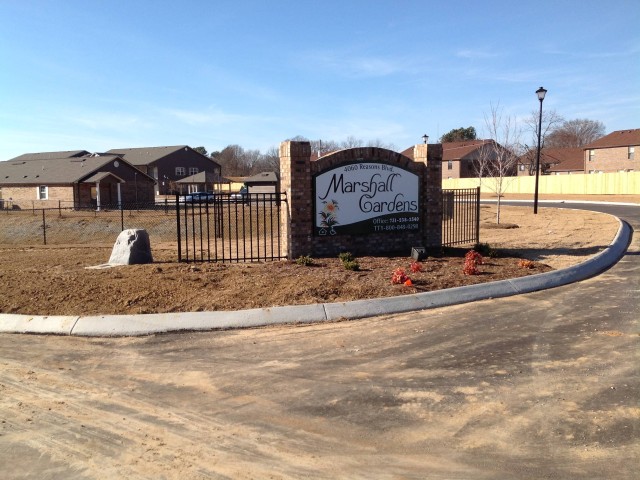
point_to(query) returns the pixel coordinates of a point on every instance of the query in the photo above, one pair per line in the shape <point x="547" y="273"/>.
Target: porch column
<point x="98" y="196"/>
<point x="119" y="195"/>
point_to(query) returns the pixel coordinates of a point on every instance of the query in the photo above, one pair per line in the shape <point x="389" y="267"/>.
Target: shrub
<point x="471" y="261"/>
<point x="351" y="265"/>
<point x="346" y="257"/>
<point x="349" y="261"/>
<point x="399" y="277"/>
<point x="486" y="250"/>
<point x="475" y="257"/>
<point x="416" y="267"/>
<point x="526" y="264"/>
<point x="304" y="260"/>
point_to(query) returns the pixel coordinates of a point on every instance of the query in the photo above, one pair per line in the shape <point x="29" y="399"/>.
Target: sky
<point x="95" y="75"/>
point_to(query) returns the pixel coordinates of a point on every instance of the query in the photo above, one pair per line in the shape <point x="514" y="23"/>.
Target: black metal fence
<point x="230" y="228"/>
<point x="86" y="225"/>
<point x="460" y="216"/>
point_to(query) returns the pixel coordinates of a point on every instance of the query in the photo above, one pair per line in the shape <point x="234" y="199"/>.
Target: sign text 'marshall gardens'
<point x="362" y="198"/>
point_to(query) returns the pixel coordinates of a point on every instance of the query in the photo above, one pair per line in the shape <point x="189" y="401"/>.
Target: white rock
<point x="132" y="247"/>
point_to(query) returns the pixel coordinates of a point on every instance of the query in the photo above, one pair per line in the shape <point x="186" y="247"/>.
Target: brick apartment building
<point x="616" y="152"/>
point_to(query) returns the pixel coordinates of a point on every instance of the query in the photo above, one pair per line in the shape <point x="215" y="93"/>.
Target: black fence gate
<point x="461" y="216"/>
<point x="227" y="227"/>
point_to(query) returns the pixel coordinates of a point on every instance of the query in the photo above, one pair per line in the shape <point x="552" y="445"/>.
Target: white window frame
<point x="631" y="153"/>
<point x="181" y="171"/>
<point x="592" y="155"/>
<point x="43" y="194"/>
<point x="193" y="170"/>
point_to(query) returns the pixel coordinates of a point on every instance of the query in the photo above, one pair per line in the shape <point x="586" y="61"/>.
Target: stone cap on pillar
<point x="423" y="152"/>
<point x="290" y="148"/>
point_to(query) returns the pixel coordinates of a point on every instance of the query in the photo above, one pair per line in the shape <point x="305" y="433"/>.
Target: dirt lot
<point x="56" y="280"/>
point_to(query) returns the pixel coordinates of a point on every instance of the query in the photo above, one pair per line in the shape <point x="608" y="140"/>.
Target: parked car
<point x="240" y="196"/>
<point x="198" y="197"/>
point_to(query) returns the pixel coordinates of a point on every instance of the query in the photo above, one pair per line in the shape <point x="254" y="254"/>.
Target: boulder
<point x="132" y="247"/>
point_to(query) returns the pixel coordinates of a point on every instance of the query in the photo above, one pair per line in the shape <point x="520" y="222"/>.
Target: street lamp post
<point x="425" y="137"/>
<point x="541" y="92"/>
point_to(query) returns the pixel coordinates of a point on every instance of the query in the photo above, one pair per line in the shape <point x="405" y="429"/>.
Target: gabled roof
<point x="145" y="155"/>
<point x="201" y="177"/>
<point x="99" y="176"/>
<point x="564" y="159"/>
<point x="53" y="171"/>
<point x="456" y="150"/>
<point x="619" y="138"/>
<point x="270" y="177"/>
<point x="48" y="155"/>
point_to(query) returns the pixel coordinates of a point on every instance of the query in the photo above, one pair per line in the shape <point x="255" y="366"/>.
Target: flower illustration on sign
<point x="328" y="217"/>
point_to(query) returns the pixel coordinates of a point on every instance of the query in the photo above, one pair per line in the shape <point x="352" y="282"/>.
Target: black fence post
<point x="44" y="227"/>
<point x="178" y="229"/>
<point x="478" y="215"/>
<point x="121" y="218"/>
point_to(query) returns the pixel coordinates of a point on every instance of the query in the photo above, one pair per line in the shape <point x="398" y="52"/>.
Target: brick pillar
<point x="431" y="156"/>
<point x="295" y="181"/>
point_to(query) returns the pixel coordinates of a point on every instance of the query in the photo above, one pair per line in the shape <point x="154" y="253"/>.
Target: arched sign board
<point x="363" y="198"/>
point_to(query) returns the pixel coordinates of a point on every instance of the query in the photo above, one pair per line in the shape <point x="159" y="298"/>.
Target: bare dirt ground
<point x="56" y="280"/>
<point x="543" y="385"/>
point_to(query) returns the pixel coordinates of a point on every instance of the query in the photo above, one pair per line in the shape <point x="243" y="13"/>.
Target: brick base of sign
<point x="299" y="233"/>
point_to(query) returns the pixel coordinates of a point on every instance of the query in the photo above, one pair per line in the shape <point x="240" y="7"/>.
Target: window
<point x="193" y="170"/>
<point x="43" y="192"/>
<point x="181" y="171"/>
<point x="631" y="153"/>
<point x="522" y="166"/>
<point x="450" y="165"/>
<point x="592" y="155"/>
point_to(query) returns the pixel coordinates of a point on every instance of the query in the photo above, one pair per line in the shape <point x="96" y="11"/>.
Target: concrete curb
<point x="136" y="325"/>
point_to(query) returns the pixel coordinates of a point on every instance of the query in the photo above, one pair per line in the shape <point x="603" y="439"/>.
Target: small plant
<point x="399" y="277"/>
<point x="351" y="265"/>
<point x="526" y="264"/>
<point x="304" y="260"/>
<point x="415" y="267"/>
<point x="471" y="261"/>
<point x="475" y="257"/>
<point x="349" y="261"/>
<point x="346" y="257"/>
<point x="486" y="250"/>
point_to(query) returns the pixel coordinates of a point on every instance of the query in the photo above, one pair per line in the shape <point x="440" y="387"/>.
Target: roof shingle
<point x="619" y="138"/>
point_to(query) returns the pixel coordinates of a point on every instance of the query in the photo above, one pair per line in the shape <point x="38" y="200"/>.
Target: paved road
<point x="543" y="385"/>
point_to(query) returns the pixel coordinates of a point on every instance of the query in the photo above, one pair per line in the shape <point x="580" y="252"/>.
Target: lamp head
<point x="541" y="92"/>
<point x="425" y="137"/>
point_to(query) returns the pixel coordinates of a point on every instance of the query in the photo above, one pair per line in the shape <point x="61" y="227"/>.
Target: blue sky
<point x="97" y="75"/>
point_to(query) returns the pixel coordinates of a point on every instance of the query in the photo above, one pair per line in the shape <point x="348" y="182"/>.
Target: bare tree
<point x="498" y="158"/>
<point x="322" y="147"/>
<point x="551" y="120"/>
<point x="232" y="161"/>
<point x="575" y="133"/>
<point x="380" y="144"/>
<point x="271" y="160"/>
<point x="351" y="142"/>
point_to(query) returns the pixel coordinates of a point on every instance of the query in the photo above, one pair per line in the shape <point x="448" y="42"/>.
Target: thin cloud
<point x="358" y="66"/>
<point x="474" y="54"/>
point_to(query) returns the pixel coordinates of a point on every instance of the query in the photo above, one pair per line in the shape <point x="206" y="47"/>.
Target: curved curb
<point x="136" y="325"/>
